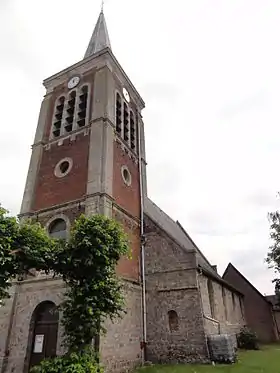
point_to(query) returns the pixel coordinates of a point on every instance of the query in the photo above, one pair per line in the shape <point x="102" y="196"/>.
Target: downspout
<point x="144" y="308"/>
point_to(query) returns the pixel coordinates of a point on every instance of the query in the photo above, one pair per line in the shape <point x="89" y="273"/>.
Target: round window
<point x="126" y="175"/>
<point x="63" y="167"/>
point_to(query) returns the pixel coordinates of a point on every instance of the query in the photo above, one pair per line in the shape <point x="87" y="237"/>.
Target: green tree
<point x="86" y="263"/>
<point x="23" y="246"/>
<point x="273" y="256"/>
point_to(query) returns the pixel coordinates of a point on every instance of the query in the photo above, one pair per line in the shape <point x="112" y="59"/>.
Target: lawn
<point x="267" y="360"/>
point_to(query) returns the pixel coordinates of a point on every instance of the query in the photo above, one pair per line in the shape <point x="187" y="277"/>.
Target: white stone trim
<point x="57" y="171"/>
<point x="129" y="180"/>
<point x="59" y="216"/>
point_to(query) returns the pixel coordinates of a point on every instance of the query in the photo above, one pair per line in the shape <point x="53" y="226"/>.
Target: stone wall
<point x="120" y="347"/>
<point x="5" y="318"/>
<point x="228" y="314"/>
<point x="28" y="294"/>
<point x="171" y="280"/>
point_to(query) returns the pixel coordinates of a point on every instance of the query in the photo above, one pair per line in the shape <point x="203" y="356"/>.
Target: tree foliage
<point x="88" y="267"/>
<point x="86" y="262"/>
<point x="85" y="361"/>
<point x="247" y="339"/>
<point x="22" y="247"/>
<point x="273" y="257"/>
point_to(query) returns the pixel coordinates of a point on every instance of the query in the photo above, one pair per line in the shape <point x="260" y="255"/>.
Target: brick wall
<point x="129" y="267"/>
<point x="258" y="312"/>
<point x="51" y="190"/>
<point x="128" y="197"/>
<point x="171" y="280"/>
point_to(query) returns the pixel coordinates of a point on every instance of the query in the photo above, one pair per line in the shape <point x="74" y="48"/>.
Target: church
<point x="88" y="157"/>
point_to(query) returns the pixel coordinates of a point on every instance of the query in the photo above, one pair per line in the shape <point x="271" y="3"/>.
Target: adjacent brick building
<point x="274" y="300"/>
<point x="258" y="308"/>
<point x="88" y="157"/>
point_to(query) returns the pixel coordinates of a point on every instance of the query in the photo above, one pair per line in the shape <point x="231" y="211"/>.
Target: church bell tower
<point x="88" y="157"/>
<point x="88" y="143"/>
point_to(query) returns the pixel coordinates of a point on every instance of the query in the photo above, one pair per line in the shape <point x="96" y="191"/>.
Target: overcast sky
<point x="209" y="72"/>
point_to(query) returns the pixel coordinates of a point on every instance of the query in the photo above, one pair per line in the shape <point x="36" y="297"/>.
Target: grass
<point x="266" y="360"/>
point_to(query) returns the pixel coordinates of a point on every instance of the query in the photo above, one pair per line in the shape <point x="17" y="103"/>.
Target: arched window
<point x="173" y="321"/>
<point x="133" y="133"/>
<point x="211" y="297"/>
<point x="118" y="114"/>
<point x="56" y="131"/>
<point x="126" y="122"/>
<point x="43" y="333"/>
<point x="70" y="112"/>
<point x="225" y="302"/>
<point x="58" y="229"/>
<point x="241" y="306"/>
<point x="82" y="110"/>
<point x="233" y="301"/>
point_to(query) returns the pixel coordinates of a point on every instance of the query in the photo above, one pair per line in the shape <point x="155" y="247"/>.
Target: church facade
<point x="88" y="157"/>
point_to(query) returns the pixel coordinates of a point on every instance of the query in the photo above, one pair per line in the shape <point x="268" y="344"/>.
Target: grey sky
<point x="209" y="72"/>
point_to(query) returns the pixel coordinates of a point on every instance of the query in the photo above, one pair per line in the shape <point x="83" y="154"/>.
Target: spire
<point x="100" y="36"/>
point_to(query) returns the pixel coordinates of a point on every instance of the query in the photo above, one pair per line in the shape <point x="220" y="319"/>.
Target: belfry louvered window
<point x="70" y="110"/>
<point x="82" y="109"/>
<point x="56" y="131"/>
<point x="133" y="132"/>
<point x="126" y="122"/>
<point x="126" y="125"/>
<point x="118" y="114"/>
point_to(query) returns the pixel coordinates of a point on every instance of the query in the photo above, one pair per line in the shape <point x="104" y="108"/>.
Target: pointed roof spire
<point x="100" y="36"/>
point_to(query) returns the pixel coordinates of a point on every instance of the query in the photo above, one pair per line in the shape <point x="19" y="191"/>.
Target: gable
<point x="176" y="231"/>
<point x="240" y="282"/>
<point x="162" y="252"/>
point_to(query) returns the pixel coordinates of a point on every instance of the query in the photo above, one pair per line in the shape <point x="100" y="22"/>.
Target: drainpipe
<point x="144" y="308"/>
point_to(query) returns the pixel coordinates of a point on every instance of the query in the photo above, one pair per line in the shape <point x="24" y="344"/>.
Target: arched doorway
<point x="43" y="328"/>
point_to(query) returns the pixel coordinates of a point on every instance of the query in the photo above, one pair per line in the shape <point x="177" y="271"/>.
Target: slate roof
<point x="176" y="231"/>
<point x="274" y="300"/>
<point x="100" y="37"/>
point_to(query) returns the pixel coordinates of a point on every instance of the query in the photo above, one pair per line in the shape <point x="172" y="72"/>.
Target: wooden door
<point x="45" y="333"/>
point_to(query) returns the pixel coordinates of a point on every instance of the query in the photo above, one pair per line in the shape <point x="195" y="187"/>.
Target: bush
<point x="247" y="340"/>
<point x="83" y="362"/>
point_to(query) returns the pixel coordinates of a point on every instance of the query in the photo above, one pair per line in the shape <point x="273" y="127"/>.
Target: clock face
<point x="73" y="82"/>
<point x="126" y="95"/>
